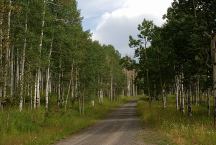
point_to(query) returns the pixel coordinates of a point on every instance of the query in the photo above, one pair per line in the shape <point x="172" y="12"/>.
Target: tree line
<point x="179" y="56"/>
<point x="46" y="58"/>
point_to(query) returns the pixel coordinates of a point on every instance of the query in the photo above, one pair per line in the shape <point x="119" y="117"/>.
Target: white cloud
<point x="115" y="20"/>
<point x="94" y="8"/>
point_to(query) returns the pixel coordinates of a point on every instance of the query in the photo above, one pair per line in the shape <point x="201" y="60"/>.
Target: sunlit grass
<point x="36" y="128"/>
<point x="177" y="127"/>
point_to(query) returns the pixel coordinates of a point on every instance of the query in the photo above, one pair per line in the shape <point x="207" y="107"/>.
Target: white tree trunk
<point x="48" y="76"/>
<point x="164" y="98"/>
<point x="101" y="96"/>
<point x="177" y="93"/>
<point x="35" y="91"/>
<point x="47" y="88"/>
<point x="76" y="90"/>
<point x="76" y="84"/>
<point x="128" y="87"/>
<point x="7" y="47"/>
<point x="68" y="93"/>
<point x="83" y="102"/>
<point x="198" y="91"/>
<point x="12" y="72"/>
<point x="69" y="87"/>
<point x="40" y="49"/>
<point x="59" y="89"/>
<point x="23" y="64"/>
<point x="72" y="84"/>
<point x="17" y="69"/>
<point x="183" y="94"/>
<point x="111" y="88"/>
<point x="42" y="26"/>
<point x="62" y="90"/>
<point x="134" y="83"/>
<point x="72" y="89"/>
<point x="31" y="97"/>
<point x="28" y="90"/>
<point x="38" y="89"/>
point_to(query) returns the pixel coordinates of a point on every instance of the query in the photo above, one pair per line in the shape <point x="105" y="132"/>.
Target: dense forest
<point x="178" y="57"/>
<point x="56" y="80"/>
<point x="176" y="70"/>
<point x="45" y="54"/>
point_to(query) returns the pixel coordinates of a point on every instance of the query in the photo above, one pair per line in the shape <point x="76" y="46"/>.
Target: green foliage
<point x="51" y="60"/>
<point x="48" y="34"/>
<point x="179" y="47"/>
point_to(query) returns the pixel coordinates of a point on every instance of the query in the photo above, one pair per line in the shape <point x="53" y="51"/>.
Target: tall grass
<point x="177" y="127"/>
<point x="35" y="127"/>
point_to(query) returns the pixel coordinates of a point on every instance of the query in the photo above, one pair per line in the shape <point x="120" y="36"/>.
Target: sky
<point x="112" y="21"/>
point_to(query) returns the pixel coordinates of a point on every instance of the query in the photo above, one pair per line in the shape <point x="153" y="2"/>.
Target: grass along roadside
<point x="169" y="126"/>
<point x="34" y="128"/>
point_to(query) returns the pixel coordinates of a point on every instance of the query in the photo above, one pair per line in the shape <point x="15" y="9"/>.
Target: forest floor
<point x="121" y="127"/>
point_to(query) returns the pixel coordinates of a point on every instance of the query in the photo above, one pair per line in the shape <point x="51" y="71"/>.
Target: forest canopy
<point x="44" y="52"/>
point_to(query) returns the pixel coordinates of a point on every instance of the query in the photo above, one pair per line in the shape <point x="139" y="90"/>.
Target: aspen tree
<point x="23" y="63"/>
<point x="39" y="71"/>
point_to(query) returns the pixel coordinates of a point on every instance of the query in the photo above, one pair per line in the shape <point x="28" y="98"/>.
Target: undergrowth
<point x="36" y="127"/>
<point x="178" y="128"/>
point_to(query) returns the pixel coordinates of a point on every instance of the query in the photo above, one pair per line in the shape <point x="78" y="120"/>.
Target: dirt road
<point x="120" y="128"/>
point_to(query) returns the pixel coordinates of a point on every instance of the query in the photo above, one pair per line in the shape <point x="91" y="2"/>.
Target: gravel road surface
<point x="121" y="127"/>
